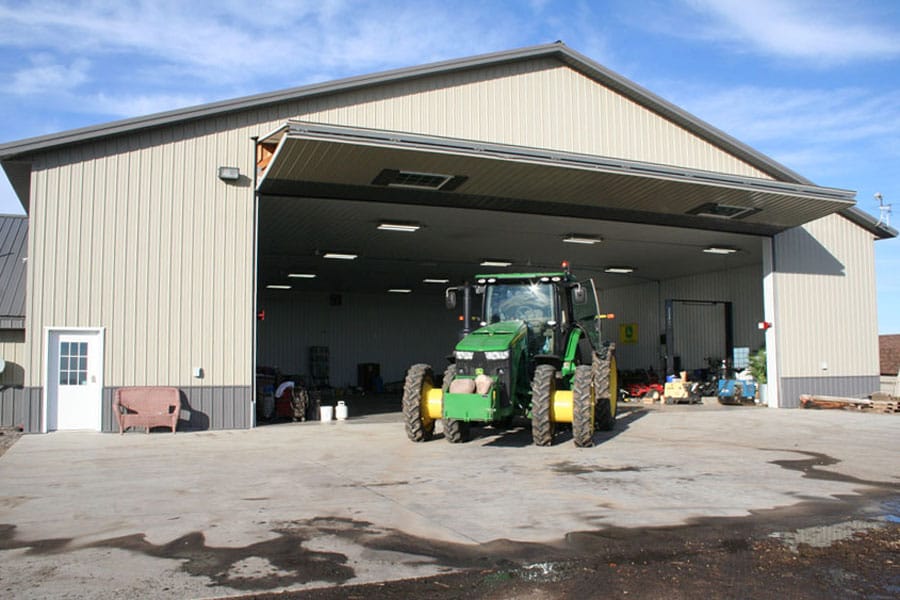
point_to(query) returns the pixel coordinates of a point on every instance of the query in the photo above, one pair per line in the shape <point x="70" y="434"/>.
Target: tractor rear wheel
<point x="419" y="379"/>
<point x="606" y="386"/>
<point x="583" y="407"/>
<point x="542" y="387"/>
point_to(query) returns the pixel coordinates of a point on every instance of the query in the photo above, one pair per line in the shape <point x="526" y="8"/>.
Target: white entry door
<point x="75" y="381"/>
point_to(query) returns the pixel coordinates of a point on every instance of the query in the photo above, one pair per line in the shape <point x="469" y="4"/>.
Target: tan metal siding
<point x="826" y="308"/>
<point x="537" y="104"/>
<point x="138" y="235"/>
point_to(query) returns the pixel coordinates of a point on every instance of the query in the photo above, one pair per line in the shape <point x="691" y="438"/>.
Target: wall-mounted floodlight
<point x="229" y="173"/>
<point x="621" y="270"/>
<point x="719" y="250"/>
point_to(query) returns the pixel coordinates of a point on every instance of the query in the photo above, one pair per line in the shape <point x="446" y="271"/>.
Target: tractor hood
<point x="493" y="337"/>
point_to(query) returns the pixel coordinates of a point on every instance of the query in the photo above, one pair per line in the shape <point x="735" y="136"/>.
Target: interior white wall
<point x="393" y="330"/>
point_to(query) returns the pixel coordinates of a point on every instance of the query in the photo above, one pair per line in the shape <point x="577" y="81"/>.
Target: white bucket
<point x="326" y="413"/>
<point x="340" y="411"/>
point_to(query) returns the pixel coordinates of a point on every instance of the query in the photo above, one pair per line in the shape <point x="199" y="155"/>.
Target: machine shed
<point x="313" y="232"/>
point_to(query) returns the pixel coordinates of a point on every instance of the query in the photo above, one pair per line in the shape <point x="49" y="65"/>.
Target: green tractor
<point x="537" y="354"/>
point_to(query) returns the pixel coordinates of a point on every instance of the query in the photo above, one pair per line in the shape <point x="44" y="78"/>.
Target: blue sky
<point x="815" y="84"/>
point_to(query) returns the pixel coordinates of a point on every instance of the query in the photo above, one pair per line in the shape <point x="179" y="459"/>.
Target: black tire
<point x="605" y="384"/>
<point x="583" y="407"/>
<point x="449" y="374"/>
<point x="542" y="387"/>
<point x="456" y="431"/>
<point x="418" y="427"/>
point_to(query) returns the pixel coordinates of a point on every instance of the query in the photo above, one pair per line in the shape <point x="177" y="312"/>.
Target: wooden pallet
<point x="835" y="402"/>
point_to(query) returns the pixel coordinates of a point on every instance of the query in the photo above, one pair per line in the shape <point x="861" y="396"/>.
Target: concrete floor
<point x="295" y="505"/>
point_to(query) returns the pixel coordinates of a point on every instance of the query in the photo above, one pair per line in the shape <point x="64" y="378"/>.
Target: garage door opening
<point x="355" y="323"/>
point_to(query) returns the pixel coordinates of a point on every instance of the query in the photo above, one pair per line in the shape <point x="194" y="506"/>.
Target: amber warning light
<point x="607" y="316"/>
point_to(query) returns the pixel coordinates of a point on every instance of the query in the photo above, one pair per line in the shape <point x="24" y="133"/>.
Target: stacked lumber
<point x="879" y="404"/>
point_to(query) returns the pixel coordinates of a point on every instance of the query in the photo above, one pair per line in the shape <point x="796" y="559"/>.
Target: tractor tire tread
<point x="583" y="407"/>
<point x="416" y="428"/>
<point x="600" y="369"/>
<point x="542" y="387"/>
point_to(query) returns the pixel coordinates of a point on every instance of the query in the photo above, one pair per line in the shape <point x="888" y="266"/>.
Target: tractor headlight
<point x="502" y="355"/>
<point x="463" y="355"/>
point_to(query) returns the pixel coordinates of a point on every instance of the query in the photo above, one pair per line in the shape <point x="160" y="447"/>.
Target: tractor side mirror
<point x="579" y="295"/>
<point x="450" y="298"/>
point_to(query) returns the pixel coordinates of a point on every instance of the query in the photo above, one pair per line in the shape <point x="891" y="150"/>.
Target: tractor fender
<point x="548" y="359"/>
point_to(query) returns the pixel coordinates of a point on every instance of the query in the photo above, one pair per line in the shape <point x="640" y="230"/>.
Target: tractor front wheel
<point x="419" y="379"/>
<point x="583" y="407"/>
<point x="456" y="431"/>
<point x="542" y="387"/>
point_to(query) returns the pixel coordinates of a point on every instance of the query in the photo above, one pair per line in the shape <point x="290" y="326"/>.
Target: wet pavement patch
<point x="811" y="469"/>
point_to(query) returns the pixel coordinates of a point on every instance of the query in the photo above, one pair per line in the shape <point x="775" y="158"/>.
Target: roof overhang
<point x="331" y="161"/>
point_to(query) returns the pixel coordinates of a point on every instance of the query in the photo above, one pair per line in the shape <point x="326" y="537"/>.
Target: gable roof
<point x="13" y="246"/>
<point x="15" y="155"/>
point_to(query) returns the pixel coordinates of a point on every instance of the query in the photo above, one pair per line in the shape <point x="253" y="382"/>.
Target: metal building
<point x="153" y="242"/>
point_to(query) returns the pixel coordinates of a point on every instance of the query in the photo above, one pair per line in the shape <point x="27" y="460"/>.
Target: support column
<point x="773" y="387"/>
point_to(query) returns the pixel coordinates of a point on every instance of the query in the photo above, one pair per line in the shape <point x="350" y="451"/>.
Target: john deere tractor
<point x="537" y="354"/>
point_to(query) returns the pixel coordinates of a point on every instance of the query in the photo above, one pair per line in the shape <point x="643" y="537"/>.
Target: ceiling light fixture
<point x="619" y="269"/>
<point x="719" y="250"/>
<point x="576" y="238"/>
<point x="273" y="286"/>
<point x="302" y="275"/>
<point x="339" y="256"/>
<point x="399" y="291"/>
<point x="490" y="262"/>
<point x="405" y="227"/>
<point x="435" y="280"/>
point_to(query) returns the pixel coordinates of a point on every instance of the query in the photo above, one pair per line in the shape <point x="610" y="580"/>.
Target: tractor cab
<point x="550" y="305"/>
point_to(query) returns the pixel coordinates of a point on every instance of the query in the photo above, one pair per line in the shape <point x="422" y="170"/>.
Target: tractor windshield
<point x="532" y="302"/>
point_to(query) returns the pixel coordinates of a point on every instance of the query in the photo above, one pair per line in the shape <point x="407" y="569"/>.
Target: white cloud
<point x="812" y="30"/>
<point x="757" y="114"/>
<point x="46" y="75"/>
<point x="227" y="41"/>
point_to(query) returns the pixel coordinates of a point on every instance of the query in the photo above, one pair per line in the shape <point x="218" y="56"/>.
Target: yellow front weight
<point x="561" y="406"/>
<point x="433" y="403"/>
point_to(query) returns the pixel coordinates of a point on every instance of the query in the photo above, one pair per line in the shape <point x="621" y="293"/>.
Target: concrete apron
<point x="304" y="505"/>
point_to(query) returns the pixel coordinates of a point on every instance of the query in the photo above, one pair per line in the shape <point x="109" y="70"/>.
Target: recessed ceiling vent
<point x="419" y="181"/>
<point x="723" y="211"/>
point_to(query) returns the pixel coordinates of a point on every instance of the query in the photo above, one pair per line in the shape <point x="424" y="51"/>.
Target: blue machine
<point x="735" y="391"/>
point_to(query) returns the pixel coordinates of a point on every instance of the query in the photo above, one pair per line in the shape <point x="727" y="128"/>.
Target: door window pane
<point x="73" y="363"/>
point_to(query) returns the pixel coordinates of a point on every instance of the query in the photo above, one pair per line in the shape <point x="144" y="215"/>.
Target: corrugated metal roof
<point x="13" y="246"/>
